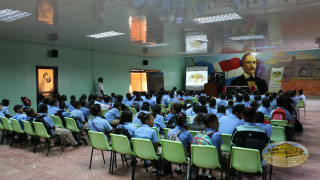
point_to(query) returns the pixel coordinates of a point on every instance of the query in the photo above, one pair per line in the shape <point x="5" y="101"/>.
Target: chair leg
<point x="114" y="163"/>
<point x="111" y="161"/>
<point x="145" y="164"/>
<point x="133" y="170"/>
<point x="35" y="143"/>
<point x="122" y="159"/>
<point x="78" y="137"/>
<point x="115" y="159"/>
<point x="126" y="160"/>
<point x="159" y="168"/>
<point x="91" y="158"/>
<point x="103" y="157"/>
<point x="188" y="169"/>
<point x="12" y="138"/>
<point x="49" y="147"/>
<point x="270" y="173"/>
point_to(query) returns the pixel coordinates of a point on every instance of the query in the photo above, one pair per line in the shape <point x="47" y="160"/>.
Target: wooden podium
<point x="211" y="89"/>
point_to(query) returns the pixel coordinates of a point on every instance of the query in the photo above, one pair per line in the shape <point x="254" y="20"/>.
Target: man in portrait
<point x="248" y="78"/>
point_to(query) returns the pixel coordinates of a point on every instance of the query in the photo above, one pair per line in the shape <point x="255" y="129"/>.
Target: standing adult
<point x="100" y="87"/>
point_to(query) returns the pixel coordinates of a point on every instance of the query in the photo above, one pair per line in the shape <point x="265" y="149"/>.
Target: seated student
<point x="257" y="98"/>
<point x="242" y="136"/>
<point x="53" y="108"/>
<point x="19" y="115"/>
<point x="302" y="96"/>
<point x="196" y="121"/>
<point x="273" y="104"/>
<point x="125" y="122"/>
<point x="175" y="110"/>
<point x="229" y="107"/>
<point x="84" y="109"/>
<point x="61" y="111"/>
<point x="187" y="96"/>
<point x="64" y="99"/>
<point x="222" y="100"/>
<point x="97" y="123"/>
<point x="265" y="108"/>
<point x="254" y="105"/>
<point x="202" y="93"/>
<point x="64" y="134"/>
<point x="72" y="100"/>
<point x="246" y="99"/>
<point x="113" y="115"/>
<point x="192" y="111"/>
<point x="158" y="119"/>
<point x="280" y="107"/>
<point x="227" y="124"/>
<point x="221" y="111"/>
<point x="260" y="122"/>
<point x="5" y="111"/>
<point x="78" y="116"/>
<point x="159" y="100"/>
<point x="40" y="98"/>
<point x="144" y="109"/>
<point x="212" y="105"/>
<point x="239" y="100"/>
<point x="148" y="99"/>
<point x="128" y="100"/>
<point x="26" y="103"/>
<point x="146" y="132"/>
<point x="172" y="99"/>
<point x="31" y="115"/>
<point x="46" y="101"/>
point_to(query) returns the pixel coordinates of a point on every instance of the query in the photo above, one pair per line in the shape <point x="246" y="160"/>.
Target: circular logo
<point x="285" y="154"/>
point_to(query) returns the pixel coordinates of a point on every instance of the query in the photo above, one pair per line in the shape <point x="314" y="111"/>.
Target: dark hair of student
<point x="174" y="88"/>
<point x="43" y="108"/>
<point x="46" y="101"/>
<point x="266" y="103"/>
<point x="116" y="105"/>
<point x="144" y="117"/>
<point x="147" y="96"/>
<point x="100" y="79"/>
<point x="129" y="97"/>
<point x="196" y="108"/>
<point x="203" y="109"/>
<point x="83" y="103"/>
<point x="177" y="107"/>
<point x="223" y="96"/>
<point x="123" y="106"/>
<point x="40" y="97"/>
<point x="56" y="96"/>
<point x="257" y="97"/>
<point x="229" y="97"/>
<point x="181" y="119"/>
<point x="156" y="109"/>
<point x="239" y="98"/>
<point x="256" y="92"/>
<point x="230" y="103"/>
<point x="270" y="98"/>
<point x="17" y="107"/>
<point x="106" y="99"/>
<point x="246" y="98"/>
<point x="76" y="104"/>
<point x="254" y="104"/>
<point x="300" y="91"/>
<point x="53" y="102"/>
<point x="259" y="117"/>
<point x="119" y="98"/>
<point x="126" y="116"/>
<point x="30" y="112"/>
<point x="209" y="118"/>
<point x="221" y="109"/>
<point x="62" y="105"/>
<point x="113" y="94"/>
<point x="138" y="97"/>
<point x="280" y="102"/>
<point x="171" y="95"/>
<point x="238" y="108"/>
<point x="91" y="103"/>
<point x="73" y="98"/>
<point x="159" y="99"/>
<point x="145" y="106"/>
<point x="95" y="109"/>
<point x="83" y="97"/>
<point x="212" y="102"/>
<point x="249" y="113"/>
<point x="202" y="100"/>
<point x="92" y="97"/>
<point x="267" y="94"/>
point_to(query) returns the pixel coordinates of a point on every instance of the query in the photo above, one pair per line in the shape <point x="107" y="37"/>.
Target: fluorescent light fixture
<point x="8" y="15"/>
<point x="264" y="47"/>
<point x="217" y="18"/>
<point x="158" y="45"/>
<point x="193" y="52"/>
<point x="106" y="34"/>
<point x="238" y="38"/>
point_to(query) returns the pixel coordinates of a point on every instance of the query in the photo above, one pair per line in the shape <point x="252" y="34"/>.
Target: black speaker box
<point x="145" y="62"/>
<point x="55" y="53"/>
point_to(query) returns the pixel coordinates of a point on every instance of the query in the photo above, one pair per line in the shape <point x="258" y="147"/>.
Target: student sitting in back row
<point x="53" y="108"/>
<point x="84" y="109"/>
<point x="5" y="104"/>
<point x="260" y="122"/>
<point x="31" y="115"/>
<point x="228" y="123"/>
<point x="212" y="105"/>
<point x="97" y="123"/>
<point x="125" y="122"/>
<point x="158" y="119"/>
<point x="78" y="116"/>
<point x="221" y="111"/>
<point x="265" y="108"/>
<point x="229" y="107"/>
<point x="61" y="110"/>
<point x="113" y="115"/>
<point x="19" y="115"/>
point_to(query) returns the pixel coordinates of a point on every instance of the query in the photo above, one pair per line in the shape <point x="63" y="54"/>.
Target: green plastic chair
<point x="99" y="141"/>
<point x="104" y="112"/>
<point x="278" y="134"/>
<point x="143" y="148"/>
<point x="6" y="126"/>
<point x="133" y="110"/>
<point x="158" y="135"/>
<point x="205" y="157"/>
<point x="181" y="102"/>
<point x="190" y="125"/>
<point x="188" y="118"/>
<point x="41" y="131"/>
<point x="193" y="133"/>
<point x="195" y="100"/>
<point x="174" y="152"/>
<point x="165" y="132"/>
<point x="72" y="126"/>
<point x="279" y="123"/>
<point x="163" y="109"/>
<point x="28" y="129"/>
<point x="267" y="119"/>
<point x="1" y="127"/>
<point x="17" y="128"/>
<point x="246" y="160"/>
<point x="301" y="105"/>
<point x="3" y="130"/>
<point x="57" y="121"/>
<point x="136" y="125"/>
<point x="166" y="123"/>
<point x="169" y="105"/>
<point x="226" y="139"/>
<point x="120" y="145"/>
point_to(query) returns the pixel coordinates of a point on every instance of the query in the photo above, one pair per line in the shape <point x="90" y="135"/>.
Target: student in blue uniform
<point x="72" y="100"/>
<point x="31" y="115"/>
<point x="158" y="119"/>
<point x="53" y="108"/>
<point x="146" y="132"/>
<point x="228" y="123"/>
<point x="260" y="122"/>
<point x="223" y="100"/>
<point x="125" y="122"/>
<point x="1" y="113"/>
<point x="265" y="108"/>
<point x="64" y="99"/>
<point x="78" y="115"/>
<point x="84" y="109"/>
<point x="175" y="109"/>
<point x="197" y="124"/>
<point x="192" y="111"/>
<point x="40" y="98"/>
<point x="273" y="104"/>
<point x="5" y="104"/>
<point x="151" y="102"/>
<point x="212" y="105"/>
<point x="19" y="115"/>
<point x="26" y="103"/>
<point x="172" y="99"/>
<point x="229" y="107"/>
<point x="62" y="110"/>
<point x="97" y="123"/>
<point x="239" y="100"/>
<point x="144" y="109"/>
<point x="113" y="115"/>
<point x="221" y="111"/>
<point x="46" y="101"/>
<point x="128" y="100"/>
<point x="246" y="99"/>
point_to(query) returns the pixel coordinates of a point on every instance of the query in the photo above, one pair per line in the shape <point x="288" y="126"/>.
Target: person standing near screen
<point x="248" y="78"/>
<point x="100" y="87"/>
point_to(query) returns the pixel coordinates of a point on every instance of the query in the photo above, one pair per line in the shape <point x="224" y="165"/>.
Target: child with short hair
<point x="97" y="123"/>
<point x="212" y="105"/>
<point x="221" y="111"/>
<point x="144" y="109"/>
<point x="158" y="119"/>
<point x="31" y="115"/>
<point x="229" y="107"/>
<point x="260" y="122"/>
<point x="113" y="115"/>
<point x="125" y="122"/>
<point x="1" y="113"/>
<point x="19" y="115"/>
<point x="53" y="108"/>
<point x="78" y="116"/>
<point x="5" y="104"/>
<point x="84" y="109"/>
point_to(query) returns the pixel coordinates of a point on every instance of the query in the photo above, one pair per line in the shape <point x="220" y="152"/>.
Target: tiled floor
<point x="74" y="163"/>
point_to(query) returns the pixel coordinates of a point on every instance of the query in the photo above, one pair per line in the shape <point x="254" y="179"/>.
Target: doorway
<point x="47" y="81"/>
<point x="146" y="80"/>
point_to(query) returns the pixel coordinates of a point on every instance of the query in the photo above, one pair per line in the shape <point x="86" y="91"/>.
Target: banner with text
<point x="275" y="79"/>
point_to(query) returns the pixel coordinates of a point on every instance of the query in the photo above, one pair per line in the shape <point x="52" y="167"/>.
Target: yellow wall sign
<point x="285" y="154"/>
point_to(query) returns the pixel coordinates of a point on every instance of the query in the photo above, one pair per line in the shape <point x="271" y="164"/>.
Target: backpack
<point x="59" y="114"/>
<point x="298" y="126"/>
<point x="172" y="122"/>
<point x="279" y="114"/>
<point x="203" y="138"/>
<point x="41" y="119"/>
<point x="123" y="131"/>
<point x="175" y="137"/>
<point x="250" y="139"/>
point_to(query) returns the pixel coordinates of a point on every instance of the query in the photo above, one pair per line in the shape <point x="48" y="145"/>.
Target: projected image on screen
<point x="196" y="43"/>
<point x="196" y="77"/>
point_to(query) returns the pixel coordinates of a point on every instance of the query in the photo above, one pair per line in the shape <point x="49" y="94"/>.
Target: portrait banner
<point x="275" y="79"/>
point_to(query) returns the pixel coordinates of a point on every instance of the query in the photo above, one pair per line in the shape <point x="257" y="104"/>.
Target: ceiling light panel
<point x="264" y="47"/>
<point x="158" y="45"/>
<point x="218" y="18"/>
<point x="106" y="34"/>
<point x="8" y="15"/>
<point x="238" y="38"/>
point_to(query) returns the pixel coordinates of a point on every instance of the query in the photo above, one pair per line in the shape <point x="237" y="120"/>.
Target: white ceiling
<point x="287" y="24"/>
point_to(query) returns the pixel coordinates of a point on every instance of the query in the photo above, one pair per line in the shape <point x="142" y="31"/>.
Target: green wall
<point x="78" y="70"/>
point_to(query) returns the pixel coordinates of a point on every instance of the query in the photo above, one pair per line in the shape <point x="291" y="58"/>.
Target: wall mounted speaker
<point x="55" y="53"/>
<point x="145" y="62"/>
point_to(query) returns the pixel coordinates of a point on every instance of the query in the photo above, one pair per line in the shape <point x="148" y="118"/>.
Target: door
<point x="155" y="81"/>
<point x="47" y="81"/>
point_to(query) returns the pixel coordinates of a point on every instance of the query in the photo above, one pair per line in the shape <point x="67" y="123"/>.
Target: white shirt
<point x="100" y="88"/>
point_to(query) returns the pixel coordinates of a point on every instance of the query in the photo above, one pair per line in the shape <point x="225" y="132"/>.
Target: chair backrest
<point x="163" y="109"/>
<point x="205" y="156"/>
<point x="165" y="132"/>
<point x="41" y="130"/>
<point x="193" y="133"/>
<point x="28" y="128"/>
<point x="226" y="139"/>
<point x="57" y="121"/>
<point x="173" y="151"/>
<point x="104" y="112"/>
<point x="71" y="124"/>
<point x="158" y="135"/>
<point x="267" y="119"/>
<point x="6" y="124"/>
<point x="169" y="105"/>
<point x="279" y="122"/>
<point x="133" y="110"/>
<point x="143" y="148"/>
<point x="278" y="134"/>
<point x="300" y="104"/>
<point x="245" y="160"/>
<point x="16" y="126"/>
<point x="121" y="144"/>
<point x="98" y="140"/>
<point x="181" y="102"/>
<point x="195" y="100"/>
<point x="188" y="118"/>
<point x="1" y="127"/>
